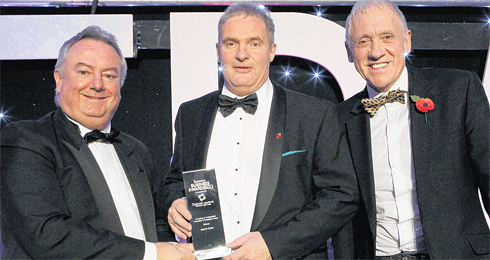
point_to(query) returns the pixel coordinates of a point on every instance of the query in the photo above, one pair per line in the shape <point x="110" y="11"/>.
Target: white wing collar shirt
<point x="235" y="152"/>
<point x="397" y="215"/>
<point x="122" y="194"/>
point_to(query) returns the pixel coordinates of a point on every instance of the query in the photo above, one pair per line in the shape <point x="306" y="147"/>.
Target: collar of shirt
<point x="264" y="95"/>
<point x="401" y="83"/>
<point x="83" y="130"/>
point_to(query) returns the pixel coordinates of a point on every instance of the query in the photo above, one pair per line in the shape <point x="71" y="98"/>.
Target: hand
<point x="169" y="251"/>
<point x="179" y="217"/>
<point x="249" y="246"/>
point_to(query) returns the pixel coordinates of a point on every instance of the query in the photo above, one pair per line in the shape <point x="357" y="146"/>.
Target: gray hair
<point x="96" y="33"/>
<point x="249" y="9"/>
<point x="364" y="6"/>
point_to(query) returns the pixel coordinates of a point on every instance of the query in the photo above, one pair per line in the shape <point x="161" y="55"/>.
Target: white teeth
<point x="380" y="65"/>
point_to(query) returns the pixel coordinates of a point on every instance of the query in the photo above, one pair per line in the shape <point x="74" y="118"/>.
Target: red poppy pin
<point x="278" y="135"/>
<point x="424" y="105"/>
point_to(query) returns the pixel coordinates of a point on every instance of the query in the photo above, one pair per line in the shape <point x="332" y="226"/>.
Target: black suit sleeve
<point x="172" y="187"/>
<point x="477" y="127"/>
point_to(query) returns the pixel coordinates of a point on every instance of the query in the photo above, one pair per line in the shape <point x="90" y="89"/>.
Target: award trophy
<point x="208" y="234"/>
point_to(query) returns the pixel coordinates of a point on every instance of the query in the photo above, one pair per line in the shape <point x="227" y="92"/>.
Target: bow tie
<point x="96" y="135"/>
<point x="228" y="105"/>
<point x="371" y="105"/>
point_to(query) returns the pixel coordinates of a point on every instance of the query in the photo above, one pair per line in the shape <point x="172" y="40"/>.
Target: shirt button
<point x="238" y="222"/>
<point x="236" y="194"/>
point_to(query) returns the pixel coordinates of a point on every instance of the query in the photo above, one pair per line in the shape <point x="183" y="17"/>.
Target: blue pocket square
<point x="293" y="152"/>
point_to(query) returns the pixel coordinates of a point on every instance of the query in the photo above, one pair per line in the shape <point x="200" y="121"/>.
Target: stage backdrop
<point x="39" y="37"/>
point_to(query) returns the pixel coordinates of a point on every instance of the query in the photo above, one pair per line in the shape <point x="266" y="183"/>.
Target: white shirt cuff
<point x="150" y="251"/>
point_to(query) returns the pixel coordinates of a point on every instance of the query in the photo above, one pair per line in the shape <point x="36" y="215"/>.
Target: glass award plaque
<point x="208" y="235"/>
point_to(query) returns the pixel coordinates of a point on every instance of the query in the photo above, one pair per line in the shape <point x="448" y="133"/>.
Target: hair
<point x="364" y="6"/>
<point x="96" y="33"/>
<point x="249" y="9"/>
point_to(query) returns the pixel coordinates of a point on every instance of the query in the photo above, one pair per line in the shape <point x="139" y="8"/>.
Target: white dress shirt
<point x="235" y="152"/>
<point x="397" y="215"/>
<point x="122" y="194"/>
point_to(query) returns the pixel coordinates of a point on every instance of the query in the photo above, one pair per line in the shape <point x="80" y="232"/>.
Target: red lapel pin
<point x="278" y="135"/>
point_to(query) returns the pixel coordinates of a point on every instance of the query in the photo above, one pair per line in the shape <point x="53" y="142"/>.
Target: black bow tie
<point x="228" y="105"/>
<point x="96" y="135"/>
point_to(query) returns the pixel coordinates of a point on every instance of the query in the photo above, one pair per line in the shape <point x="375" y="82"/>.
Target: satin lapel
<point x="66" y="130"/>
<point x="359" y="136"/>
<point x="100" y="191"/>
<point x="138" y="179"/>
<point x="205" y="130"/>
<point x="71" y="139"/>
<point x="271" y="160"/>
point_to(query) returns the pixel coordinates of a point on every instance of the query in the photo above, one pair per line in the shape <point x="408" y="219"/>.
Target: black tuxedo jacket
<point x="55" y="201"/>
<point x="451" y="159"/>
<point x="304" y="197"/>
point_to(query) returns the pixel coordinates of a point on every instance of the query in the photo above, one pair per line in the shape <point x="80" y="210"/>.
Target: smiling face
<point x="89" y="89"/>
<point x="245" y="53"/>
<point x="377" y="47"/>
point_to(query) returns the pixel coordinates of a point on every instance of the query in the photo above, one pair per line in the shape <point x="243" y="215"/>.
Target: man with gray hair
<point x="72" y="186"/>
<point x="419" y="140"/>
<point x="285" y="177"/>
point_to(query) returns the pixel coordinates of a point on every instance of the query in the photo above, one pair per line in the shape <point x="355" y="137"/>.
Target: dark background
<point x="27" y="86"/>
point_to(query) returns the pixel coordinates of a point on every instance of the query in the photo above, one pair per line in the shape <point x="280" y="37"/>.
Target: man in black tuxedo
<point x="285" y="177"/>
<point x="419" y="161"/>
<point x="72" y="193"/>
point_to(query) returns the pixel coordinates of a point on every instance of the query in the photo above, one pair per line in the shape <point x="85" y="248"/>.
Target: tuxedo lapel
<point x="71" y="139"/>
<point x="358" y="133"/>
<point x="98" y="186"/>
<point x="137" y="177"/>
<point x="271" y="160"/>
<point x="205" y="131"/>
<point x="421" y="131"/>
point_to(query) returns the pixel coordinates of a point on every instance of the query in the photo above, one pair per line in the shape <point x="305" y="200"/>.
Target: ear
<point x="273" y="52"/>
<point x="407" y="45"/>
<point x="350" y="56"/>
<point x="59" y="79"/>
